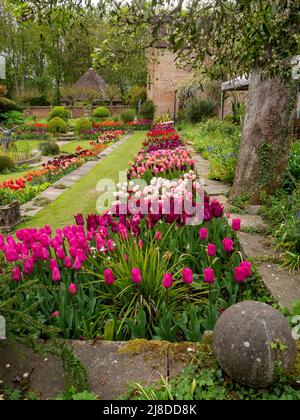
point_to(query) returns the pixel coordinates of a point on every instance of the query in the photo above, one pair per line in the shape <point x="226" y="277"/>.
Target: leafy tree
<point x="229" y="39"/>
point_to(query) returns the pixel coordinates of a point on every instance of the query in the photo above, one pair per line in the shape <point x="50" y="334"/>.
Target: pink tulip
<point x="73" y="289"/>
<point x="247" y="267"/>
<point x="136" y="275"/>
<point x="158" y="236"/>
<point x="211" y="250"/>
<point x="60" y="253"/>
<point x="56" y="274"/>
<point x="236" y="224"/>
<point x="109" y="277"/>
<point x="68" y="262"/>
<point x="53" y="263"/>
<point x="77" y="264"/>
<point x="228" y="244"/>
<point x="239" y="274"/>
<point x="125" y="256"/>
<point x="187" y="275"/>
<point x="141" y="244"/>
<point x="203" y="233"/>
<point x="111" y="246"/>
<point x="209" y="275"/>
<point x="167" y="280"/>
<point x="55" y="314"/>
<point x="16" y="274"/>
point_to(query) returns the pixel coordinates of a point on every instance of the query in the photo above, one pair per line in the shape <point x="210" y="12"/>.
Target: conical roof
<point x="92" y="80"/>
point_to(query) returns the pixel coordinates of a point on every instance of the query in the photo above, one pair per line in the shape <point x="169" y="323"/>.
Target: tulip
<point x="109" y="278"/>
<point x="77" y="264"/>
<point x="56" y="274"/>
<point x="16" y="274"/>
<point x="136" y="275"/>
<point x="187" y="275"/>
<point x="216" y="208"/>
<point x="203" y="233"/>
<point x="239" y="274"/>
<point x="167" y="280"/>
<point x="228" y="244"/>
<point x="211" y="250"/>
<point x="68" y="262"/>
<point x="53" y="263"/>
<point x="209" y="275"/>
<point x="73" y="289"/>
<point x="247" y="267"/>
<point x="141" y="243"/>
<point x="111" y="246"/>
<point x="158" y="236"/>
<point x="60" y="253"/>
<point x="236" y="224"/>
<point x="55" y="313"/>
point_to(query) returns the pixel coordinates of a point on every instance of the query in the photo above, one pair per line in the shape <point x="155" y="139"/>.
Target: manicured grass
<point x="13" y="175"/>
<point x="71" y="146"/>
<point x="82" y="197"/>
<point x="27" y="145"/>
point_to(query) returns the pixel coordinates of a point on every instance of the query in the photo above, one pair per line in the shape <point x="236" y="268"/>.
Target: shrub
<point x="59" y="111"/>
<point x="57" y="125"/>
<point x="6" y="164"/>
<point x="137" y="94"/>
<point x="7" y="105"/>
<point x="13" y="117"/>
<point x="197" y="110"/>
<point x="83" y="124"/>
<point x="39" y="101"/>
<point x="162" y="118"/>
<point x="101" y="112"/>
<point x="128" y="115"/>
<point x="49" y="148"/>
<point x="147" y="110"/>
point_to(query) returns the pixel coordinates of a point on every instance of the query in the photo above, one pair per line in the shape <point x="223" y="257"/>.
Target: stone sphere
<point x="251" y="340"/>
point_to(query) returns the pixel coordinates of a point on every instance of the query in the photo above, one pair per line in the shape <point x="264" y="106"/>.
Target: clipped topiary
<point x="49" y="148"/>
<point x="83" y="124"/>
<point x="59" y="111"/>
<point x="101" y="112"/>
<point x="57" y="125"/>
<point x="6" y="164"/>
<point x="128" y="115"/>
<point x="147" y="110"/>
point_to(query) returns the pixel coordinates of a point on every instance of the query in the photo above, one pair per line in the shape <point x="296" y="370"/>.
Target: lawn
<point x="71" y="146"/>
<point x="81" y="198"/>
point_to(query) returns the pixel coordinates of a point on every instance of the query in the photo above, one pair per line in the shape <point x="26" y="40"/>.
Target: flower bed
<point x="30" y="185"/>
<point x="36" y="131"/>
<point x="122" y="276"/>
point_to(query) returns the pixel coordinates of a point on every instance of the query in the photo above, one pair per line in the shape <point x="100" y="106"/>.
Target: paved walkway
<point x="283" y="285"/>
<point x="31" y="208"/>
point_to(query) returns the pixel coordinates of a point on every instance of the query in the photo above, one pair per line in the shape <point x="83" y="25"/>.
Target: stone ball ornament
<point x="252" y="341"/>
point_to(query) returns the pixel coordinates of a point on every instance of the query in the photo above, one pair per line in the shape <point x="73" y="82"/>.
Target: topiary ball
<point x="57" y="125"/>
<point x="251" y="341"/>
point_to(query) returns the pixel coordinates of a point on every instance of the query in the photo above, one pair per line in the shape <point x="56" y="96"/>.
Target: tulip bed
<point x="122" y="276"/>
<point x="32" y="183"/>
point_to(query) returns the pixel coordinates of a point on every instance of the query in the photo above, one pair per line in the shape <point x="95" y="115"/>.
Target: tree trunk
<point x="265" y="143"/>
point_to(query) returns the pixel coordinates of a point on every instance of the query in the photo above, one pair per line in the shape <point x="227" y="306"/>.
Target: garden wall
<point x="75" y="111"/>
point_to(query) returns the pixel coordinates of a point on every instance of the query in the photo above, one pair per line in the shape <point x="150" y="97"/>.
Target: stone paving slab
<point x="31" y="212"/>
<point x="47" y="375"/>
<point x="51" y="193"/>
<point x="63" y="181"/>
<point x="284" y="286"/>
<point x="256" y="246"/>
<point x="215" y="187"/>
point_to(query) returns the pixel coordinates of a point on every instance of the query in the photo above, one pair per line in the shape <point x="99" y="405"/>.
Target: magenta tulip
<point x="209" y="275"/>
<point x="109" y="277"/>
<point x="56" y="274"/>
<point x="236" y="224"/>
<point x="187" y="275"/>
<point x="211" y="250"/>
<point x="167" y="280"/>
<point x="73" y="289"/>
<point x="239" y="274"/>
<point x="247" y="267"/>
<point x="158" y="236"/>
<point x="136" y="275"/>
<point x="16" y="274"/>
<point x="203" y="233"/>
<point x="228" y="244"/>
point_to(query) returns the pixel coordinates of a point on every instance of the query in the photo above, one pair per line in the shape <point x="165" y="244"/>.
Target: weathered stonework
<point x="10" y="215"/>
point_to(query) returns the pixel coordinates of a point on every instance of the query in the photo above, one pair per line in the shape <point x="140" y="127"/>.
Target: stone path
<point x="31" y="208"/>
<point x="283" y="285"/>
<point x="111" y="365"/>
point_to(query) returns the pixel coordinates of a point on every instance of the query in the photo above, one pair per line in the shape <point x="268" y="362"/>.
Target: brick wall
<point x="164" y="78"/>
<point x="76" y="111"/>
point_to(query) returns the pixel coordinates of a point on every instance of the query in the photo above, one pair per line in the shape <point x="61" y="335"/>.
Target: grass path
<point x="81" y="198"/>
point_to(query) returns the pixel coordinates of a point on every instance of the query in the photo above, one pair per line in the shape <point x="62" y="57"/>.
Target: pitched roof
<point x="92" y="80"/>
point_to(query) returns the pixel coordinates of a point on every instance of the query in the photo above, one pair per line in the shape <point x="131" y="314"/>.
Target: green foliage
<point x="147" y="110"/>
<point x="57" y="125"/>
<point x="6" y="164"/>
<point x="238" y="111"/>
<point x="191" y="323"/>
<point x="83" y="124"/>
<point x="12" y="117"/>
<point x="293" y="316"/>
<point x="138" y="327"/>
<point x="49" y="148"/>
<point x="167" y="328"/>
<point x="101" y="112"/>
<point x="128" y="115"/>
<point x="39" y="101"/>
<point x="137" y="95"/>
<point x="218" y="141"/>
<point x="162" y="118"/>
<point x="197" y="110"/>
<point x="6" y="105"/>
<point x="60" y="112"/>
